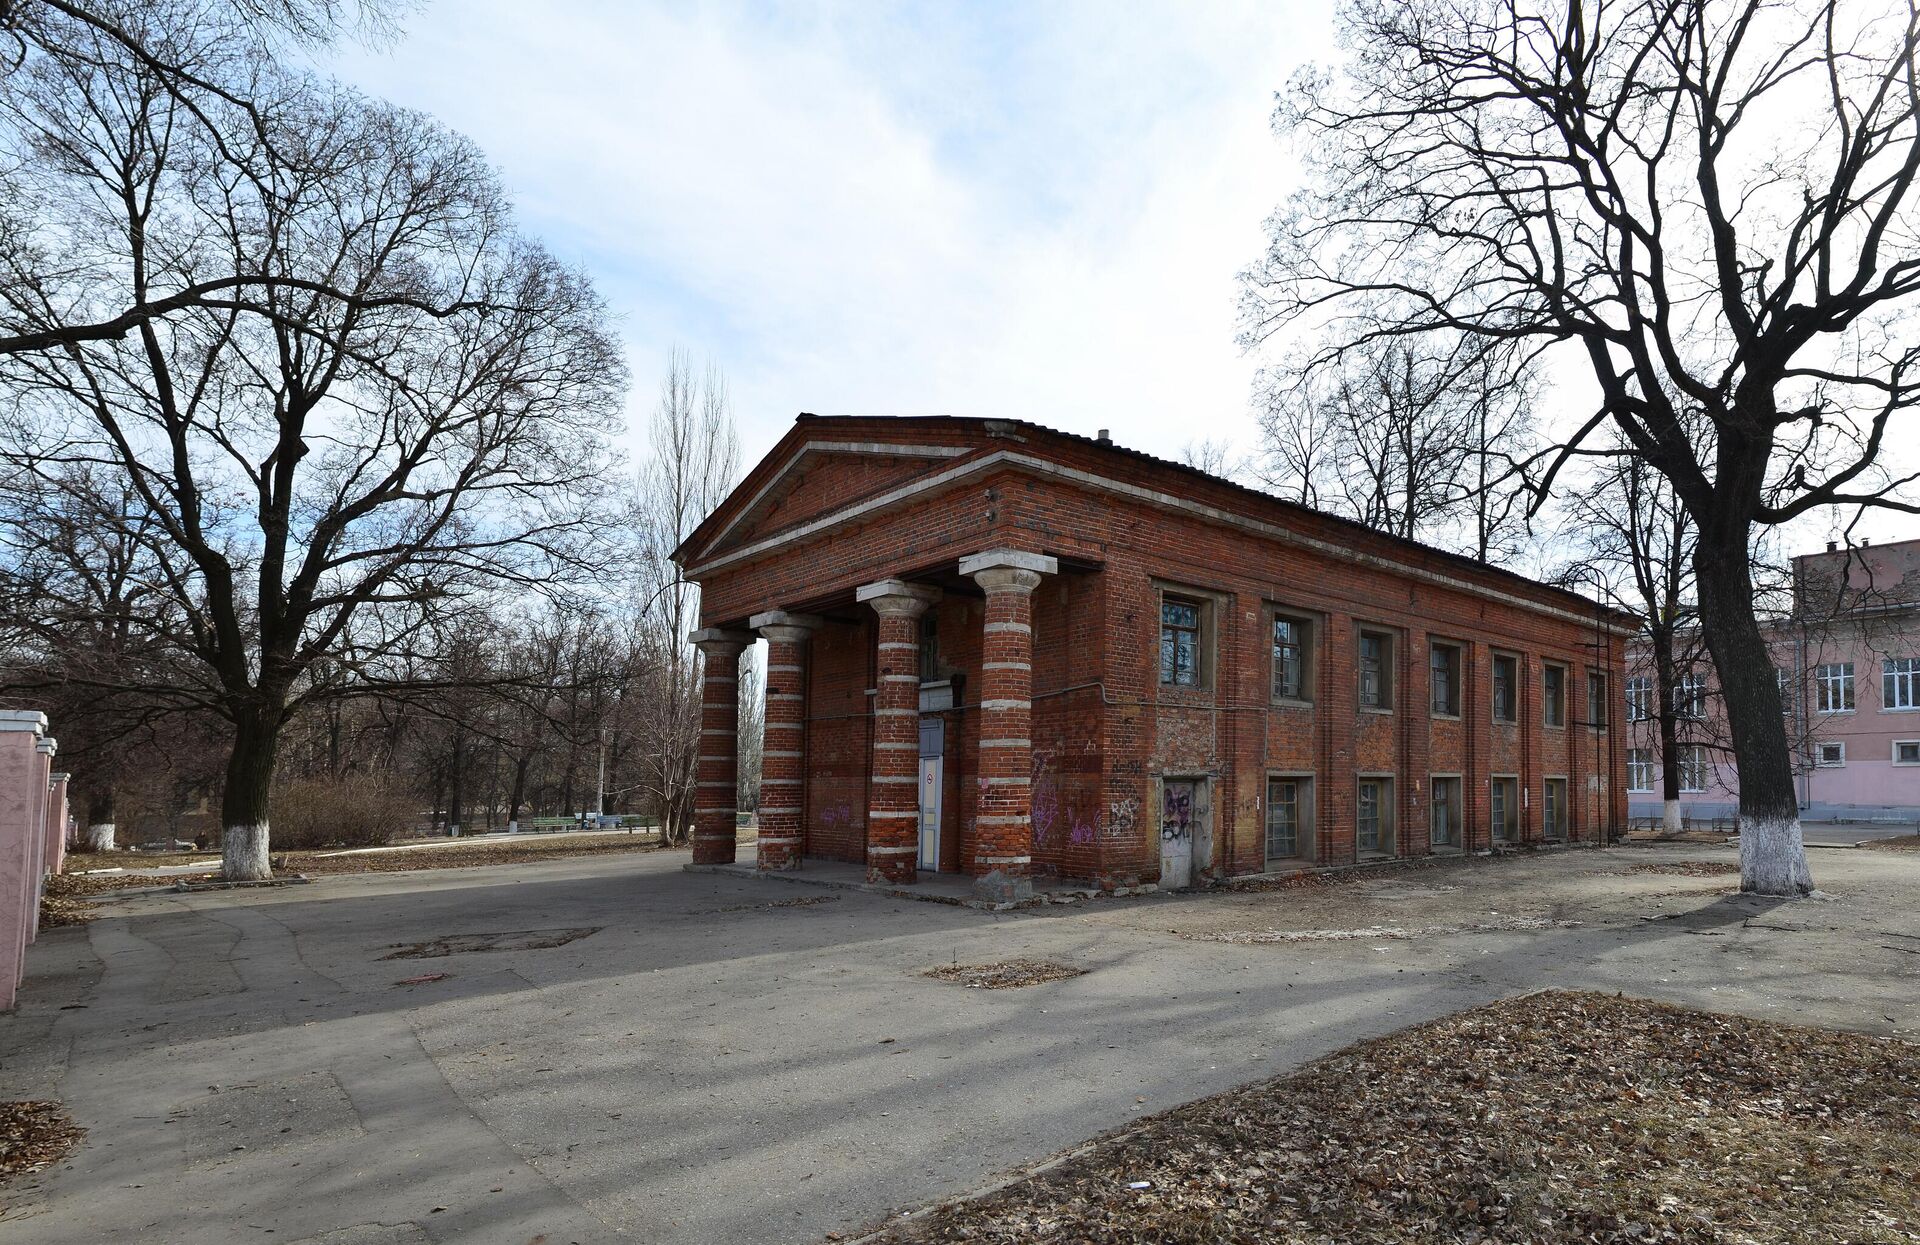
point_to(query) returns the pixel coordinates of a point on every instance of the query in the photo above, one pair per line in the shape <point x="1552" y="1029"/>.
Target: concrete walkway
<point x="657" y="1056"/>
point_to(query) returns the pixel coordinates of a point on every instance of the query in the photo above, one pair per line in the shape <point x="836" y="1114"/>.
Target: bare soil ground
<point x="1899" y="843"/>
<point x="1552" y="1117"/>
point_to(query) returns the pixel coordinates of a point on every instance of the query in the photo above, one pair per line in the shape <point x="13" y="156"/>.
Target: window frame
<point x="1649" y="764"/>
<point x="1820" y="747"/>
<point x="1454" y="676"/>
<point x="1308" y="647"/>
<point x="1690" y="696"/>
<point x="1304" y="837"/>
<point x="1597" y="697"/>
<point x="1892" y="681"/>
<point x="1547" y="702"/>
<point x="1549" y="833"/>
<point x="1386" y="823"/>
<point x="1827" y="678"/>
<point x="1512" y="715"/>
<point x="1639" y="696"/>
<point x="1906" y="743"/>
<point x="1509" y="787"/>
<point x="1389" y="655"/>
<point x="1459" y="791"/>
<point x="1693" y="760"/>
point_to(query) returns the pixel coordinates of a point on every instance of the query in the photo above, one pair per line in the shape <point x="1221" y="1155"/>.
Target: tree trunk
<point x="518" y="791"/>
<point x="99" y="832"/>
<point x="1773" y="860"/>
<point x="247" y="802"/>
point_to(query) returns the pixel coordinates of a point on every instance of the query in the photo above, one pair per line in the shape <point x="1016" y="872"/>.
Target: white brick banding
<point x="1020" y="820"/>
<point x="770" y="810"/>
<point x="781" y="782"/>
<point x="1006" y="782"/>
<point x="892" y="851"/>
<point x="777" y="840"/>
<point x="1004" y="860"/>
<point x="1006" y="703"/>
<point x="1008" y="628"/>
<point x="893" y="812"/>
<point x="896" y="713"/>
<point x="1006" y="665"/>
<point x="1010" y="742"/>
<point x="895" y="646"/>
<point x="906" y="778"/>
<point x="783" y="756"/>
<point x="889" y="747"/>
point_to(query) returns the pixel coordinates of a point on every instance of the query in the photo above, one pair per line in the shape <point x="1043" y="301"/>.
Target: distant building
<point x="1848" y="660"/>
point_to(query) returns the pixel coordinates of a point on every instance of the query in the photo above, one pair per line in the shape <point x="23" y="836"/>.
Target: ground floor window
<point x="1906" y="752"/>
<point x="1831" y="755"/>
<point x="1693" y="767"/>
<point x="1373" y="816"/>
<point x="1504" y="804"/>
<point x="1448" y="819"/>
<point x="1289" y="817"/>
<point x="1553" y="809"/>
<point x="1639" y="769"/>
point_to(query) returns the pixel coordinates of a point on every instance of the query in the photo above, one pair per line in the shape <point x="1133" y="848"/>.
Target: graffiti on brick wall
<point x="1058" y="813"/>
<point x="1122" y="817"/>
<point x="835" y="816"/>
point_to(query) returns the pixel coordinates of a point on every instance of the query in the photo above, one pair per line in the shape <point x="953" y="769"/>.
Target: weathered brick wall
<point x="839" y="739"/>
<point x="1100" y="751"/>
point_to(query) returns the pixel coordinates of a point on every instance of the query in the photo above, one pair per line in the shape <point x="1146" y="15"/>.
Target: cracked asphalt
<point x="715" y="1062"/>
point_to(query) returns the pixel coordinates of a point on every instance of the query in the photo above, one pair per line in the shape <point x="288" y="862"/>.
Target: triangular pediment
<point x="818" y="479"/>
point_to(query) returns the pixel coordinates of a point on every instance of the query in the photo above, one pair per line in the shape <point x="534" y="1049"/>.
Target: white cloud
<point x="1034" y="212"/>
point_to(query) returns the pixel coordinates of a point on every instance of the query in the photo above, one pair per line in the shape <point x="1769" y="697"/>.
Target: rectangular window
<point x="1553" y="695"/>
<point x="1783" y="681"/>
<point x="1596" y="698"/>
<point x="1179" y="642"/>
<point x="1506" y="686"/>
<point x="1906" y="752"/>
<point x="1289" y="818"/>
<point x="1831" y="755"/>
<point x="1900" y="683"/>
<point x="1553" y="810"/>
<point x="1639" y="698"/>
<point x="1833" y="687"/>
<point x="1373" y="816"/>
<point x="1639" y="769"/>
<point x="1443" y="677"/>
<point x="1504" y="803"/>
<point x="1448" y="819"/>
<point x="1690" y="695"/>
<point x="1375" y="666"/>
<point x="929" y="646"/>
<point x="1292" y="643"/>
<point x="1693" y="767"/>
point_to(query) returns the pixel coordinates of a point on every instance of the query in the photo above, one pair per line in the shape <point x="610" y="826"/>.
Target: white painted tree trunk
<point x="99" y="837"/>
<point x="1670" y="816"/>
<point x="1773" y="858"/>
<point x="243" y="854"/>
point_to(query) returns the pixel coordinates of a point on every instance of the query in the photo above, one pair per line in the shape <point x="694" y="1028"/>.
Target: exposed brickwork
<point x="716" y="793"/>
<point x="893" y="797"/>
<point x="1102" y="730"/>
<point x="783" y="769"/>
<point x="839" y="738"/>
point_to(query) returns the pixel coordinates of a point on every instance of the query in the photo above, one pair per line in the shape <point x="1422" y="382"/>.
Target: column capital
<point x="1008" y="570"/>
<point x="897" y="597"/>
<point x="716" y="641"/>
<point x="23" y="720"/>
<point x="48" y="745"/>
<point x="780" y="625"/>
<point x="59" y="777"/>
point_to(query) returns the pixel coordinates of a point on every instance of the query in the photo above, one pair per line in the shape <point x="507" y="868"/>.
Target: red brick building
<point x="1013" y="653"/>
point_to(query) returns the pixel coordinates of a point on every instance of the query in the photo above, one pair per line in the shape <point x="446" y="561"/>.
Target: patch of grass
<point x="1005" y="974"/>
<point x="1556" y="1117"/>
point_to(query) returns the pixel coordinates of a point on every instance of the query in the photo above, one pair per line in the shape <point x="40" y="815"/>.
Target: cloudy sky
<point x="1029" y="210"/>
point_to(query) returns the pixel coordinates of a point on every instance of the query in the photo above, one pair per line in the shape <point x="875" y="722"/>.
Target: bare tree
<point x="326" y="475"/>
<point x="693" y="461"/>
<point x="1708" y="202"/>
<point x="1414" y="438"/>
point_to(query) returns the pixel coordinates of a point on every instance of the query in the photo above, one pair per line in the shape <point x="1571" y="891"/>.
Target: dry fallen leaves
<point x="34" y="1135"/>
<point x="1004" y="974"/>
<point x="1549" y="1118"/>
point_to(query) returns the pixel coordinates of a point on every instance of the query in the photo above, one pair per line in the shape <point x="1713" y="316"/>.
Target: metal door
<point x="932" y="745"/>
<point x="1178" y="822"/>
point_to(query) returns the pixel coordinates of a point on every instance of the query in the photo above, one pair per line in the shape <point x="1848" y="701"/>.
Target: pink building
<point x="1848" y="659"/>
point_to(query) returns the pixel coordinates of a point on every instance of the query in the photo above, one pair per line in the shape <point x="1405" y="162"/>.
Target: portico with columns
<point x="1005" y="654"/>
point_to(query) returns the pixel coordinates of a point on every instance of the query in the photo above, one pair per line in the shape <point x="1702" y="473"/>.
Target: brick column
<point x="1003" y="834"/>
<point x="716" y="790"/>
<point x="22" y="793"/>
<point x="57" y="822"/>
<point x="893" y="791"/>
<point x="783" y="773"/>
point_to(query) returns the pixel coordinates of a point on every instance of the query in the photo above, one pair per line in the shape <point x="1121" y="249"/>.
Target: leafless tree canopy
<point x="299" y="475"/>
<point x="1707" y="206"/>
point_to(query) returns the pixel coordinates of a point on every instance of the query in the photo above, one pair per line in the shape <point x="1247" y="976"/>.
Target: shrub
<point x="359" y="810"/>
